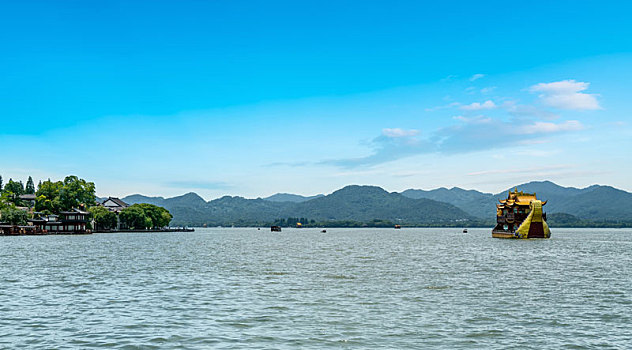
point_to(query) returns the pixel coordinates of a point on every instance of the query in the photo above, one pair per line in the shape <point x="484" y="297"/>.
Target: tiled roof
<point x="118" y="201"/>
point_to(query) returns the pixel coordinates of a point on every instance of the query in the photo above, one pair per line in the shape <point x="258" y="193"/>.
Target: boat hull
<point x="502" y="234"/>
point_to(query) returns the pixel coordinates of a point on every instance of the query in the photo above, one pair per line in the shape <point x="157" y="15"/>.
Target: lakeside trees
<point x="103" y="218"/>
<point x="145" y="216"/>
<point x="51" y="197"/>
<point x="12" y="191"/>
<point x="54" y="197"/>
<point x="14" y="216"/>
<point x="73" y="192"/>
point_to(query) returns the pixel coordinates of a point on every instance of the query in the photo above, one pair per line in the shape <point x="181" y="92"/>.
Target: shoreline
<point x="178" y="229"/>
<point x="89" y="232"/>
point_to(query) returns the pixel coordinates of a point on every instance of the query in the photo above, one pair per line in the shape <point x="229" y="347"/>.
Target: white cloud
<point x="487" y="90"/>
<point x="469" y="135"/>
<point x="477" y="106"/>
<point x="545" y="127"/>
<point x="476" y="76"/>
<point x="479" y="119"/>
<point x="529" y="111"/>
<point x="397" y="132"/>
<point x="566" y="94"/>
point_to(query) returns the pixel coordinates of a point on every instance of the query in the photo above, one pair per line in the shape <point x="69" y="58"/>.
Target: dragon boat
<point x="520" y="216"/>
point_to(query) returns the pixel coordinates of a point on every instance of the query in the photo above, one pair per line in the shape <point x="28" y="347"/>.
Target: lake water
<point x="344" y="289"/>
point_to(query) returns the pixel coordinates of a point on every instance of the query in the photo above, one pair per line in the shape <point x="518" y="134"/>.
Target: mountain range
<point x="596" y="203"/>
<point x="415" y="207"/>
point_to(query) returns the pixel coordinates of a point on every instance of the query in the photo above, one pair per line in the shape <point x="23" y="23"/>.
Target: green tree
<point x="145" y="216"/>
<point x="103" y="218"/>
<point x="13" y="190"/>
<point x="48" y="200"/>
<point x="73" y="192"/>
<point x="165" y="218"/>
<point x="14" y="216"/>
<point x="133" y="217"/>
<point x="76" y="192"/>
<point x="160" y="217"/>
<point x="30" y="186"/>
<point x="14" y="187"/>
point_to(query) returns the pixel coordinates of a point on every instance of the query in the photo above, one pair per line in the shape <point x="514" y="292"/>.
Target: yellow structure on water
<point x="520" y="216"/>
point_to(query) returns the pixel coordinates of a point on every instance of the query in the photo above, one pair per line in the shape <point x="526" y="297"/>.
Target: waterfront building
<point x="114" y="204"/>
<point x="67" y="222"/>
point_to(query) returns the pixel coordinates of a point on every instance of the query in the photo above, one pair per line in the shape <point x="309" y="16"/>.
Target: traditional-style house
<point x="114" y="204"/>
<point x="68" y="222"/>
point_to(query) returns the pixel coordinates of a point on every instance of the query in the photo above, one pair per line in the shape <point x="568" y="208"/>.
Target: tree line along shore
<point x="70" y="206"/>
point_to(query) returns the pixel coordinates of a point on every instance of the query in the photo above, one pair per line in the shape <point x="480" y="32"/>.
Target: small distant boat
<point x="464" y="230"/>
<point x="275" y="228"/>
<point x="323" y="231"/>
<point x="398" y="226"/>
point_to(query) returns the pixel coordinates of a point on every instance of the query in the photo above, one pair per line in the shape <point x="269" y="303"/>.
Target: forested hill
<point x="288" y="197"/>
<point x="595" y="203"/>
<point x="370" y="204"/>
<point x="360" y="204"/>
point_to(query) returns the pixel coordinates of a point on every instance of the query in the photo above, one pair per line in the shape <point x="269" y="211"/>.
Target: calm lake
<point x="347" y="288"/>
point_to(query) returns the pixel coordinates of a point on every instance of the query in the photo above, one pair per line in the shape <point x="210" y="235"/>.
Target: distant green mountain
<point x="595" y="203"/>
<point x="566" y="206"/>
<point x="352" y="203"/>
<point x="186" y="200"/>
<point x="599" y="203"/>
<point x="365" y="203"/>
<point x="472" y="202"/>
<point x="139" y="198"/>
<point x="288" y="197"/>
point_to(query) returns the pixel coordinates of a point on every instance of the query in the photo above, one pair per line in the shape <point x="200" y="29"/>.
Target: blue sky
<point x="252" y="98"/>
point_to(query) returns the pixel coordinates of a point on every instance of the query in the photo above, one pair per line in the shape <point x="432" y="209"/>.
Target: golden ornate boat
<point x="520" y="216"/>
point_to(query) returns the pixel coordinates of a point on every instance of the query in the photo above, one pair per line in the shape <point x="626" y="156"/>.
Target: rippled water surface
<point x="347" y="288"/>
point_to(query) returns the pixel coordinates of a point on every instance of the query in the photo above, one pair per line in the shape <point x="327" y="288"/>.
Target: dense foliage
<point x="103" y="218"/>
<point x="145" y="216"/>
<point x="73" y="192"/>
<point x="11" y="192"/>
<point x="13" y="216"/>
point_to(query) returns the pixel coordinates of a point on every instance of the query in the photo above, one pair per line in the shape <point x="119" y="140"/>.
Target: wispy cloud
<point x="450" y="78"/>
<point x="520" y="110"/>
<point x="476" y="76"/>
<point x="477" y="119"/>
<point x="488" y="90"/>
<point x="545" y="127"/>
<point x="477" y="106"/>
<point x="397" y="132"/>
<point x="468" y="135"/>
<point x="566" y="94"/>
<point x="523" y="126"/>
<point x="391" y="145"/>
